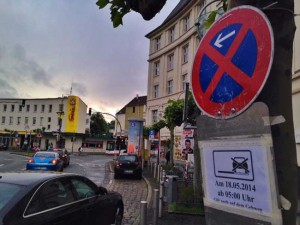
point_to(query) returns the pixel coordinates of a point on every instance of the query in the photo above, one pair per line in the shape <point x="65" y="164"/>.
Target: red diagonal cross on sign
<point x="222" y="88"/>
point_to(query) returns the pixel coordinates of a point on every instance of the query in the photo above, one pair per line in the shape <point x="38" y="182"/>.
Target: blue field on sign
<point x="245" y="59"/>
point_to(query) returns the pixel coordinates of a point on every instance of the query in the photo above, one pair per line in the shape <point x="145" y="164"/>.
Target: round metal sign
<point x="232" y="62"/>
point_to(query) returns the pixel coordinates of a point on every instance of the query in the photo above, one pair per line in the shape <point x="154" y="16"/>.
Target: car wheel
<point x="116" y="176"/>
<point x="118" y="216"/>
<point x="140" y="176"/>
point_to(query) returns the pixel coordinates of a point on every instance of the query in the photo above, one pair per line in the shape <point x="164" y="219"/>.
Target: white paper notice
<point x="237" y="176"/>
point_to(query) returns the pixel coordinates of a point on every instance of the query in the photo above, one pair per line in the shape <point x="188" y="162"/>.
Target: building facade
<point x="43" y="122"/>
<point x="172" y="47"/>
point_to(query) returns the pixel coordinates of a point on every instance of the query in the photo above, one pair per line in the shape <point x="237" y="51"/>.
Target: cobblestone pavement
<point x="134" y="191"/>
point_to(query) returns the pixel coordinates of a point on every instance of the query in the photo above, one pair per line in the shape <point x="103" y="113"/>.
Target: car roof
<point x="27" y="178"/>
<point x="47" y="153"/>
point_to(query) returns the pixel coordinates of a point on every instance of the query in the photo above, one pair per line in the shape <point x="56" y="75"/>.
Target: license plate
<point x="40" y="168"/>
<point x="128" y="171"/>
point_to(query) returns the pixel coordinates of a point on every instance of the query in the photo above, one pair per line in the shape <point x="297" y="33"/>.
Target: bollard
<point x="158" y="173"/>
<point x="163" y="177"/>
<point x="161" y="196"/>
<point x="155" y="206"/>
<point x="143" y="213"/>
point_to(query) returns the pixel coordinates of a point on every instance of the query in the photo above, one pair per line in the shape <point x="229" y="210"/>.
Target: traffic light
<point x="90" y="111"/>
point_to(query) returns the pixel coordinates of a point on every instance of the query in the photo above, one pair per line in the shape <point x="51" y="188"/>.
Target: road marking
<point x="2" y="164"/>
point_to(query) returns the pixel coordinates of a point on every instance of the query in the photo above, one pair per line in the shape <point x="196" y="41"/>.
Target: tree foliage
<point x="98" y="124"/>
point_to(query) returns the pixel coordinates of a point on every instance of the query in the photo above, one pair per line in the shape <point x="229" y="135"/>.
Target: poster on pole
<point x="187" y="145"/>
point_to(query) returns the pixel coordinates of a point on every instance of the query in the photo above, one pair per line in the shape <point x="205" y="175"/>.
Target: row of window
<point x="171" y="34"/>
<point x="170" y="61"/>
<point x="27" y="121"/>
<point x="42" y="108"/>
<point x="169" y="87"/>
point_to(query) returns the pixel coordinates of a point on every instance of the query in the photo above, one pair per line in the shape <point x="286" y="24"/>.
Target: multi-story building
<point x="172" y="47"/>
<point x="41" y="122"/>
<point x="136" y="108"/>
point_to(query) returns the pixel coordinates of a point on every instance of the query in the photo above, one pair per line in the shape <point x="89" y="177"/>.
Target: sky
<point x="49" y="46"/>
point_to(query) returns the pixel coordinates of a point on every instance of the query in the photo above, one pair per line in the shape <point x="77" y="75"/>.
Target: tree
<point x="119" y="8"/>
<point x="173" y="117"/>
<point x="98" y="124"/>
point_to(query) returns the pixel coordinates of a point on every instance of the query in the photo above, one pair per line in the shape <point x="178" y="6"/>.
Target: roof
<point x="26" y="178"/>
<point x="174" y="12"/>
<point x="136" y="101"/>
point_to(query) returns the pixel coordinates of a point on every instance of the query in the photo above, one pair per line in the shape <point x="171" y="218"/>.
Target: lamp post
<point x="27" y="128"/>
<point x="60" y="114"/>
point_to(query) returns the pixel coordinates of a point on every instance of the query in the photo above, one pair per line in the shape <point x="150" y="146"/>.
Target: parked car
<point x="3" y="146"/>
<point x="43" y="198"/>
<point x="45" y="161"/>
<point x="128" y="165"/>
<point x="63" y="154"/>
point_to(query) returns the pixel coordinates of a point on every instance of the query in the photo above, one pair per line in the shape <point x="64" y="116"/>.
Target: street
<point x="91" y="166"/>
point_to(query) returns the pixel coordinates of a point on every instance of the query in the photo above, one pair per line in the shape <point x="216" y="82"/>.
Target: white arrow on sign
<point x="221" y="39"/>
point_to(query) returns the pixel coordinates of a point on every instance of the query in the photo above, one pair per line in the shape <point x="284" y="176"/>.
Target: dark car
<point x="55" y="198"/>
<point x="45" y="161"/>
<point x="128" y="165"/>
<point x="3" y="146"/>
<point x="64" y="155"/>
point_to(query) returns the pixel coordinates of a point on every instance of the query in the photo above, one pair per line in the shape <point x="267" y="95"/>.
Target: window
<point x="52" y="194"/>
<point x="3" y="120"/>
<point x="49" y="119"/>
<point x="41" y="121"/>
<point x="157" y="68"/>
<point x="61" y="107"/>
<point x="184" y="80"/>
<point x="84" y="188"/>
<point x="20" y="108"/>
<point x="50" y="109"/>
<point x="157" y="43"/>
<point x="186" y="23"/>
<point x="133" y="109"/>
<point x="35" y="108"/>
<point x="170" y="87"/>
<point x="172" y="34"/>
<point x="171" y="62"/>
<point x="155" y="93"/>
<point x="33" y="120"/>
<point x="12" y="108"/>
<point x="18" y="120"/>
<point x="48" y="127"/>
<point x="4" y="108"/>
<point x="11" y="120"/>
<point x="154" y="116"/>
<point x="27" y="108"/>
<point x="43" y="108"/>
<point x="185" y="54"/>
<point x="26" y="120"/>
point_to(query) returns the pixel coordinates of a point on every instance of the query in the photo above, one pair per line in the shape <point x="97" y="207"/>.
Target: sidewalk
<point x="167" y="218"/>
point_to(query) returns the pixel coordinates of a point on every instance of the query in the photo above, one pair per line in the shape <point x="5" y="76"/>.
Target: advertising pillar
<point x="135" y="136"/>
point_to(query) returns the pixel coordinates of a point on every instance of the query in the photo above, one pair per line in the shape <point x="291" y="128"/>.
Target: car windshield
<point x="45" y="155"/>
<point x="8" y="191"/>
<point x="128" y="158"/>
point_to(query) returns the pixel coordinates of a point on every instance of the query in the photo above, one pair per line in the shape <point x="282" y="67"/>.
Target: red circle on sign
<point x="249" y="18"/>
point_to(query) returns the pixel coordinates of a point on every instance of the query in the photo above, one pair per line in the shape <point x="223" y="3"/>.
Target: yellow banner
<point x="72" y="114"/>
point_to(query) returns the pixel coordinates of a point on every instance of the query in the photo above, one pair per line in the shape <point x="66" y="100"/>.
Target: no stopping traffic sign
<point x="232" y="62"/>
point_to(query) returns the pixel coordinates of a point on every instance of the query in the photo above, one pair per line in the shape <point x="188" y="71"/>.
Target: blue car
<point x="45" y="161"/>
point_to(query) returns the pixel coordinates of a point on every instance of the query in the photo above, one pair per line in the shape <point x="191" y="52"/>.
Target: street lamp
<point x="60" y="114"/>
<point x="27" y="128"/>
